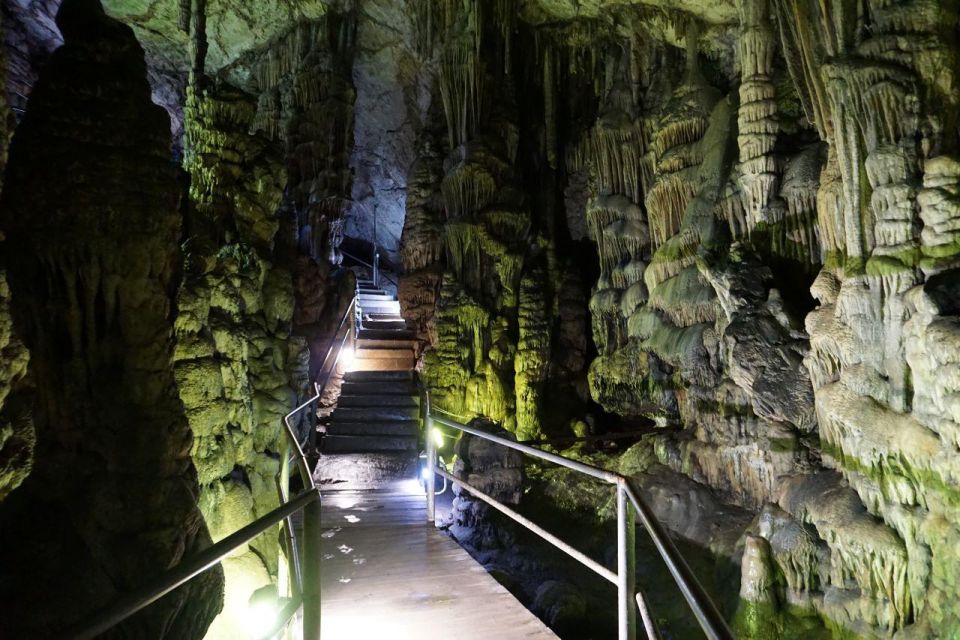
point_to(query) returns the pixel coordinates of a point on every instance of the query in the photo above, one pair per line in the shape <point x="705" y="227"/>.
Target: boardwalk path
<point x="387" y="574"/>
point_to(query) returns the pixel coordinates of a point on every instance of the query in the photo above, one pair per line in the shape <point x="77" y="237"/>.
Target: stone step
<point x="406" y="428"/>
<point x="366" y="444"/>
<point x="379" y="388"/>
<point x="383" y="317"/>
<point x="381" y="308"/>
<point x="378" y="400"/>
<point x="378" y="343"/>
<point x="385" y="305"/>
<point x="384" y="364"/>
<point x="386" y="334"/>
<point x="385" y="325"/>
<point x="363" y="353"/>
<point x="365" y="471"/>
<point x="375" y="297"/>
<point x="374" y="414"/>
<point x="379" y="376"/>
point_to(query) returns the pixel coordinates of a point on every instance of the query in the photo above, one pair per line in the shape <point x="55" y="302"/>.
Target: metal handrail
<point x="320" y="388"/>
<point x="630" y="505"/>
<point x="305" y="579"/>
<point x="187" y="570"/>
<point x="377" y="271"/>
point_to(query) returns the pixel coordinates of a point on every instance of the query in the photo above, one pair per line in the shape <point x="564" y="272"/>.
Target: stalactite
<point x="505" y="16"/>
<point x="619" y="158"/>
<point x="467" y="189"/>
<point x="198" y="43"/>
<point x="267" y="121"/>
<point x="461" y="80"/>
<point x="549" y="106"/>
<point x="184" y="17"/>
<point x="286" y="56"/>
<point x="666" y="202"/>
<point x="757" y="118"/>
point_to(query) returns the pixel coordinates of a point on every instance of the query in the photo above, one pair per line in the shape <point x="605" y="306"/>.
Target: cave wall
<point x="267" y="147"/>
<point x="802" y="414"/>
<point x="17" y="436"/>
<point x="92" y="263"/>
<point x="483" y="276"/>
<point x="770" y="189"/>
<point x="265" y="129"/>
<point x="392" y="95"/>
<point x="734" y="220"/>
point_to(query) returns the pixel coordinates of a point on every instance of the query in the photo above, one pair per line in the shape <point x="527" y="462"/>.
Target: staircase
<point x="372" y="439"/>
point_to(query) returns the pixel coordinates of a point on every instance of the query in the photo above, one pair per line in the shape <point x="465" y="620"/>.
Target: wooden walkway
<point x="387" y="574"/>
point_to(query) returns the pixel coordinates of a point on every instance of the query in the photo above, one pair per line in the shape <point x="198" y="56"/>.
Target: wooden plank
<point x="387" y="573"/>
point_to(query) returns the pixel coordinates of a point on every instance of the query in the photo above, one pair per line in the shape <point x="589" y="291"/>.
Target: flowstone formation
<point x="238" y="370"/>
<point x="267" y="148"/>
<point x="113" y="488"/>
<point x="483" y="278"/>
<point x="830" y="423"/>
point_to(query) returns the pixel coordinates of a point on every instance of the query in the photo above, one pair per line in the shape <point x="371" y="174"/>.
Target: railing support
<point x="431" y="479"/>
<point x="312" y="530"/>
<point x="626" y="566"/>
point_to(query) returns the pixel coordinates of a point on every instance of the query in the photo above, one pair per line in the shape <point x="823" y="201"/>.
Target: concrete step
<point x="379" y="400"/>
<point x="365" y="471"/>
<point x="406" y="428"/>
<point x="384" y="364"/>
<point x="375" y="297"/>
<point x="363" y="353"/>
<point x="367" y="444"/>
<point x="379" y="388"/>
<point x="386" y="334"/>
<point x="374" y="414"/>
<point x="379" y="376"/>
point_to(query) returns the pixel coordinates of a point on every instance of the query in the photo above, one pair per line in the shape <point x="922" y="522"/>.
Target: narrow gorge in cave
<point x="502" y="319"/>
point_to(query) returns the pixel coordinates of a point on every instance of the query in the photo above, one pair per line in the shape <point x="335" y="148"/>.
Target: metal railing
<point x="374" y="268"/>
<point x="630" y="506"/>
<point x="304" y="577"/>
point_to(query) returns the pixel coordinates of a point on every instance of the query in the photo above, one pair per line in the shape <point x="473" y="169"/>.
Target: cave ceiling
<point x="233" y="26"/>
<point x="237" y="26"/>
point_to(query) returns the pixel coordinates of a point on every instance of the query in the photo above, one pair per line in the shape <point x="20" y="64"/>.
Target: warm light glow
<point x="411" y="486"/>
<point x="347" y="358"/>
<point x="261" y="618"/>
<point x="437" y="437"/>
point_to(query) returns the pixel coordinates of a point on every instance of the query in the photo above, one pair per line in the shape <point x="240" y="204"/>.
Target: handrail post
<point x="431" y="479"/>
<point x="626" y="566"/>
<point x="312" y="530"/>
<point x="376" y="267"/>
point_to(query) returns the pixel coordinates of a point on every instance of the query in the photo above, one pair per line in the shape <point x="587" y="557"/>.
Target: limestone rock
<point x="101" y="342"/>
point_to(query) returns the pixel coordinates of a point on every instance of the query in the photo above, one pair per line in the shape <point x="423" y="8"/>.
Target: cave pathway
<point x="386" y="572"/>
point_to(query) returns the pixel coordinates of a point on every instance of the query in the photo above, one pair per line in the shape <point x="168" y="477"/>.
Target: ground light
<point x="347" y="358"/>
<point x="262" y="612"/>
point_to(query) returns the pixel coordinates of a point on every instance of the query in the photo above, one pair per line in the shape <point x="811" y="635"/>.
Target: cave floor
<point x="387" y="573"/>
